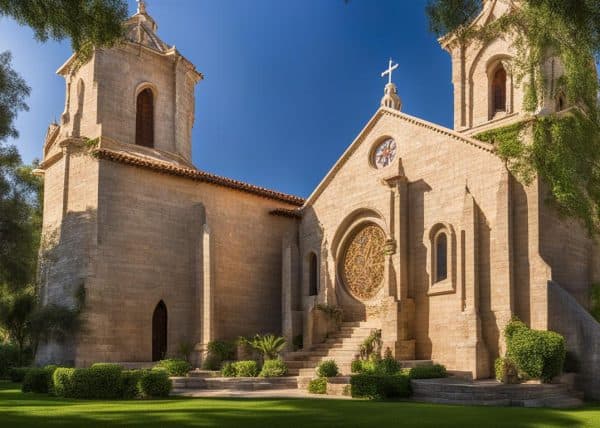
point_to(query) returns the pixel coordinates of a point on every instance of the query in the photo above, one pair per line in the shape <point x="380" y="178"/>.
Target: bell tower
<point x="139" y="93"/>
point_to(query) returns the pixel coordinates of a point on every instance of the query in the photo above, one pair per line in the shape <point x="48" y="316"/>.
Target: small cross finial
<point x="390" y="69"/>
<point x="141" y="6"/>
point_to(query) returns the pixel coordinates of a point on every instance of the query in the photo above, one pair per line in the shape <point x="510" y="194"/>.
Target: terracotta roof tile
<point x="197" y="175"/>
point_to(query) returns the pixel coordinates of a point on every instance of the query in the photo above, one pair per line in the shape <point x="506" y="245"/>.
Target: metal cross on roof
<point x="390" y="69"/>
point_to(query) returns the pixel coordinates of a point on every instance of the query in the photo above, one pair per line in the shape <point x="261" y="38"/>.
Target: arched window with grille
<point x="144" y="120"/>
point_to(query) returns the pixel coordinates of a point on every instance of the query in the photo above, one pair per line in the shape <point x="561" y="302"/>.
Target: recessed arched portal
<point x="159" y="332"/>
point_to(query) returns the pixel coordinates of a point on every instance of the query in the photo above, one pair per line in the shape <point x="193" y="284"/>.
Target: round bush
<point x="247" y="368"/>
<point x="328" y="368"/>
<point x="228" y="369"/>
<point x="428" y="372"/>
<point x="318" y="386"/>
<point x="105" y="380"/>
<point x="62" y="382"/>
<point x="273" y="368"/>
<point x="379" y="386"/>
<point x="175" y="367"/>
<point x="155" y="384"/>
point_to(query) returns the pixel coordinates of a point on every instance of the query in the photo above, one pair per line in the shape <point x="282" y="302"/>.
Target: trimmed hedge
<point x="318" y="386"/>
<point x="328" y="368"/>
<point x="379" y="387"/>
<point x="155" y="384"/>
<point x="174" y="367"/>
<point x="130" y="384"/>
<point x="538" y="354"/>
<point x="38" y="380"/>
<point x="17" y="374"/>
<point x="228" y="369"/>
<point x="428" y="372"/>
<point x="247" y="368"/>
<point x="385" y="366"/>
<point x="273" y="368"/>
<point x="105" y="380"/>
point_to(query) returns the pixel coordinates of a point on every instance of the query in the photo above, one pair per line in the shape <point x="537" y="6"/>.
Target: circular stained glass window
<point x="363" y="262"/>
<point x="384" y="153"/>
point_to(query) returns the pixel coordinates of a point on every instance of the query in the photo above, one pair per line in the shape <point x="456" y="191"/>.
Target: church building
<point x="417" y="230"/>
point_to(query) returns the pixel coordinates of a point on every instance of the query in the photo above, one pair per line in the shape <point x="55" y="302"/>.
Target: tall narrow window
<point x="313" y="275"/>
<point x="144" y="121"/>
<point x="499" y="89"/>
<point x="441" y="257"/>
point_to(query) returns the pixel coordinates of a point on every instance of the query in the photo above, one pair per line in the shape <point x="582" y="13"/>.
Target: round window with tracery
<point x="384" y="154"/>
<point x="363" y="262"/>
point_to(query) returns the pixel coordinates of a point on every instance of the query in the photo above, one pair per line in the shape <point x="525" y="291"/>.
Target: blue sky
<point x="288" y="83"/>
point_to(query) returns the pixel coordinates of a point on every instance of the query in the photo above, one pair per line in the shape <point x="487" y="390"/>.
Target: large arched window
<point x="441" y="257"/>
<point x="313" y="275"/>
<point x="499" y="89"/>
<point x="144" y="120"/>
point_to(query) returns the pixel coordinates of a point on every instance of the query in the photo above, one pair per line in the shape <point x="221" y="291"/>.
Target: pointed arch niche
<point x="441" y="258"/>
<point x="159" y="331"/>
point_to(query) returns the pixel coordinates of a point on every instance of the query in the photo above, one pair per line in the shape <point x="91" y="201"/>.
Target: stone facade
<point x="417" y="230"/>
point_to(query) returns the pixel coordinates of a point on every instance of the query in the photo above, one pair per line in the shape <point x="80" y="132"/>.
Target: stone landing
<point x="491" y="393"/>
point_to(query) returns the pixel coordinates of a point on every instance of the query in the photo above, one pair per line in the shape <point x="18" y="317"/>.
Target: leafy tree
<point x="445" y="16"/>
<point x="20" y="219"/>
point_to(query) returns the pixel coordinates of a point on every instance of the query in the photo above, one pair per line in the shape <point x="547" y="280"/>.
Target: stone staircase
<point x="342" y="346"/>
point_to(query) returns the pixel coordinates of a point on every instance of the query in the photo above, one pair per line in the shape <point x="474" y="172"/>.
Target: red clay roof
<point x="197" y="175"/>
<point x="284" y="212"/>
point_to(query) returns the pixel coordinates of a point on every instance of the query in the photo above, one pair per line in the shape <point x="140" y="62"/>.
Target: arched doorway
<point x="159" y="332"/>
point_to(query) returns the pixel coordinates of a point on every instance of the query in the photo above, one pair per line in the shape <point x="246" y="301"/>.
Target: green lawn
<point x="32" y="410"/>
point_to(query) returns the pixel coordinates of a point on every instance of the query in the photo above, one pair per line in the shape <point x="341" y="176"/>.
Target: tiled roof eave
<point x="197" y="175"/>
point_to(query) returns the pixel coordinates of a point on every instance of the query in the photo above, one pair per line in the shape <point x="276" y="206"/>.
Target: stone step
<point x="236" y="383"/>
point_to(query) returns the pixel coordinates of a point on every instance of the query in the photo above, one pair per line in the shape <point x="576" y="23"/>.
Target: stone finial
<point x="141" y="6"/>
<point x="391" y="99"/>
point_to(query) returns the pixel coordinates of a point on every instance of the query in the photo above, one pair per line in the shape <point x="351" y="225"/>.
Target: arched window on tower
<point x="144" y="120"/>
<point x="441" y="257"/>
<point x="313" y="275"/>
<point x="499" y="89"/>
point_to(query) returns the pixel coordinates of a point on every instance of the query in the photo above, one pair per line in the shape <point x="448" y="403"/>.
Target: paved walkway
<point x="273" y="393"/>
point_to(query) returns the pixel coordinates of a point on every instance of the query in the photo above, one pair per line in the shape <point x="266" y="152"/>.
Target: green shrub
<point x="537" y="354"/>
<point x="130" y="383"/>
<point x="38" y="380"/>
<point x="388" y="365"/>
<point x="17" y="374"/>
<point x="174" y="367"/>
<point x="211" y="362"/>
<point x="506" y="370"/>
<point x="155" y="383"/>
<point x="428" y="372"/>
<point x="62" y="382"/>
<point x="222" y="350"/>
<point x="379" y="387"/>
<point x="273" y="368"/>
<point x="228" y="369"/>
<point x="356" y="366"/>
<point x="247" y="368"/>
<point x="105" y="380"/>
<point x="9" y="357"/>
<point x="318" y="386"/>
<point x="328" y="368"/>
<point x="81" y="384"/>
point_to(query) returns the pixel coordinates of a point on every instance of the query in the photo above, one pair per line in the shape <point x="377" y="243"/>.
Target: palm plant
<point x="269" y="345"/>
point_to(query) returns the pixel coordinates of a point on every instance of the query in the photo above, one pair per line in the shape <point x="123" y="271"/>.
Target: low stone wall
<point x="582" y="333"/>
